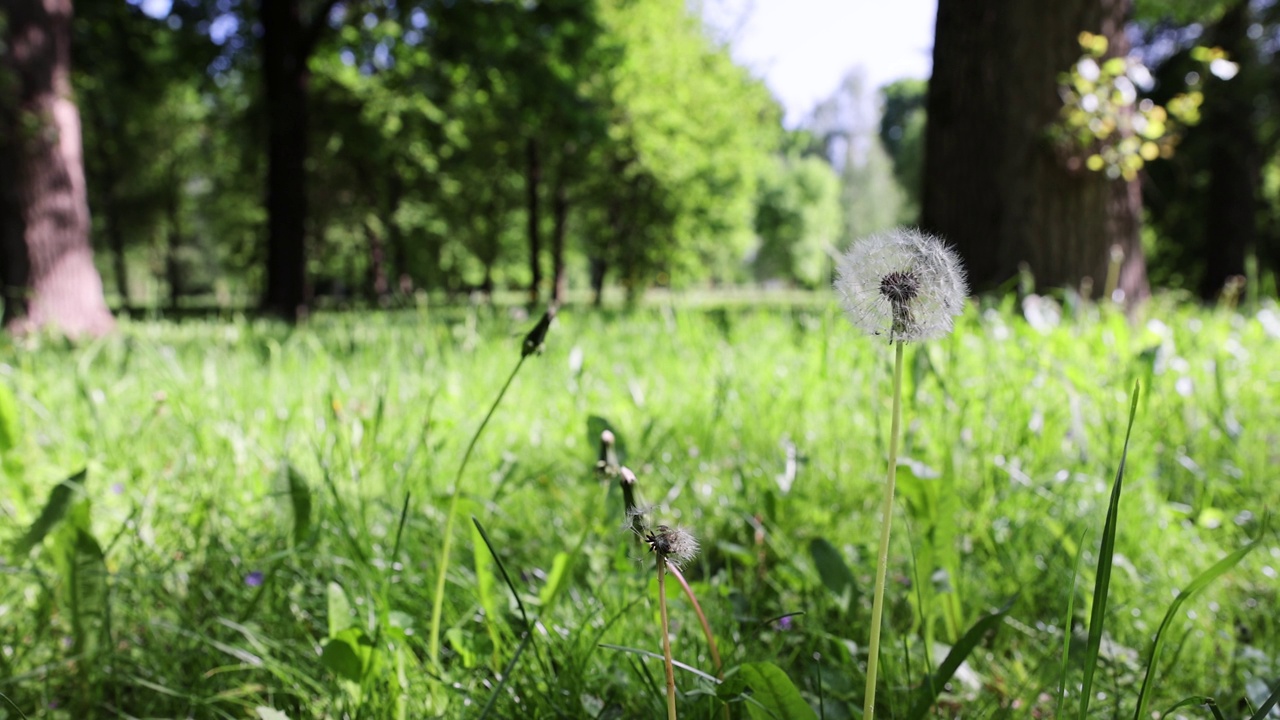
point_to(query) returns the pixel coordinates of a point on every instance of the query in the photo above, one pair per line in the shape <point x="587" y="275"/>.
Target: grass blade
<point x="1106" y="553"/>
<point x="54" y="509"/>
<point x="1268" y="704"/>
<point x="959" y="653"/>
<point x="1066" y="625"/>
<point x="1191" y="589"/>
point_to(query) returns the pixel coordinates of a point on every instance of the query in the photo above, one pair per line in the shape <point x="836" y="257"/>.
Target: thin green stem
<point x="702" y="618"/>
<point x="886" y="518"/>
<point x="437" y="602"/>
<point x="666" y="637"/>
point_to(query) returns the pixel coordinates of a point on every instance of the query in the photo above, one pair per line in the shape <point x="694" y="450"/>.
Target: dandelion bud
<point x="903" y="284"/>
<point x="534" y="340"/>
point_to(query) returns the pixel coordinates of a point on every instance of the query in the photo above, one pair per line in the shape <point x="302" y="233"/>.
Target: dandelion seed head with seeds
<point x="903" y="284"/>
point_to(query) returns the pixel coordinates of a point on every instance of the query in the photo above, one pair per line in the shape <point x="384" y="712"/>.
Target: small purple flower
<point x="253" y="579"/>
<point x="117" y="488"/>
<point x="783" y="623"/>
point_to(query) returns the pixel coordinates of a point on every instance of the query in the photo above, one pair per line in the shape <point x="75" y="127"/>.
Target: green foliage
<point x="902" y="134"/>
<point x="798" y="221"/>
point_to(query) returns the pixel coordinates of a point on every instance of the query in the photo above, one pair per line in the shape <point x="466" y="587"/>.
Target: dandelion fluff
<point x="903" y="284"/>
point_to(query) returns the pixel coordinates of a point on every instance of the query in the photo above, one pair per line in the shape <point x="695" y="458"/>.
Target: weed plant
<point x="239" y="542"/>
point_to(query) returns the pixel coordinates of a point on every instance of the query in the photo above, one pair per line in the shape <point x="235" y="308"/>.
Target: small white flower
<point x="903" y="283"/>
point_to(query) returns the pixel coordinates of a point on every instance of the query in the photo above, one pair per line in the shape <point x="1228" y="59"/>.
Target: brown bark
<point x="49" y="276"/>
<point x="994" y="184"/>
<point x="559" y="226"/>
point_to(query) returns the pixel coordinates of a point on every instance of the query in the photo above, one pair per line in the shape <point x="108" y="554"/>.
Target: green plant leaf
<point x="1199" y="583"/>
<point x="835" y="574"/>
<point x="777" y="696"/>
<point x="959" y="653"/>
<point x="339" y="610"/>
<point x="1102" y="582"/>
<point x="8" y="419"/>
<point x="300" y="501"/>
<point x="54" y="509"/>
<point x="348" y="654"/>
<point x="266" y="713"/>
<point x="555" y="579"/>
<point x="1265" y="708"/>
<point x="83" y="591"/>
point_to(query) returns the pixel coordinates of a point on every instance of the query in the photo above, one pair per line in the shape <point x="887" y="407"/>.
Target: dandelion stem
<point x="702" y="618"/>
<point x="886" y="518"/>
<point x="666" y="637"/>
<point x="437" y="602"/>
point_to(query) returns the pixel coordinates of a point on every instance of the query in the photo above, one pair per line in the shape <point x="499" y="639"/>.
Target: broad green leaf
<point x="555" y="579"/>
<point x="835" y="574"/>
<point x="348" y="654"/>
<point x="300" y="500"/>
<point x="8" y="419"/>
<point x="339" y="610"/>
<point x="54" y="509"/>
<point x="777" y="696"/>
<point x="83" y="588"/>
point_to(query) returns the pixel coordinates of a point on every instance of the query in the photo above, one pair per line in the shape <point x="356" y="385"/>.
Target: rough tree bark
<point x="559" y="227"/>
<point x="287" y="44"/>
<point x="48" y="274"/>
<point x="994" y="185"/>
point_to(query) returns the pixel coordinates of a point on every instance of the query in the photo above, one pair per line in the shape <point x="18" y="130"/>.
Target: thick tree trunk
<point x="49" y="275"/>
<point x="287" y="43"/>
<point x="1234" y="168"/>
<point x="533" y="179"/>
<point x="376" y="286"/>
<point x="559" y="226"/>
<point x="994" y="185"/>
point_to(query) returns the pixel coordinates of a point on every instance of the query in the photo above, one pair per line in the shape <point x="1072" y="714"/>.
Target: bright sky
<point x="803" y="48"/>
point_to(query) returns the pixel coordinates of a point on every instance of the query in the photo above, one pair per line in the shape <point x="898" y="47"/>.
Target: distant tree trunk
<point x="559" y="226"/>
<point x="994" y="186"/>
<point x="395" y="235"/>
<point x="173" y="260"/>
<point x="108" y="179"/>
<point x="376" y="275"/>
<point x="533" y="180"/>
<point x="287" y="44"/>
<point x="1235" y="172"/>
<point x="49" y="276"/>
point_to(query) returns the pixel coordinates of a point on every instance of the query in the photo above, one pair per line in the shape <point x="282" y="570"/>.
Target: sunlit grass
<point x="759" y="428"/>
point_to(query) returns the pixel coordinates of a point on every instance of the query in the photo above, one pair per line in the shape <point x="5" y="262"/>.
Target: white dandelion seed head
<point x="902" y="284"/>
<point x="677" y="545"/>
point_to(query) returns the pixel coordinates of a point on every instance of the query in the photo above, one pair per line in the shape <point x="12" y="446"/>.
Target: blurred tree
<point x="48" y="272"/>
<point x="846" y="128"/>
<point x="902" y="135"/>
<point x="994" y="184"/>
<point x="798" y="220"/>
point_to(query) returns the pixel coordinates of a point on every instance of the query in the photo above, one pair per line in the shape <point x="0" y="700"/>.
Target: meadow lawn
<point x="261" y="519"/>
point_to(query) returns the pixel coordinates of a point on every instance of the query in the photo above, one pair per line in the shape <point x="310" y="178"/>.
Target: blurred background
<point x="282" y="155"/>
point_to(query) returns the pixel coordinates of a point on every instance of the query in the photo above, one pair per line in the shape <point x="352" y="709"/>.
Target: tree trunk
<point x="173" y="261"/>
<point x="376" y="286"/>
<point x="286" y="46"/>
<point x="49" y="275"/>
<point x="533" y="180"/>
<point x="994" y="185"/>
<point x="559" y="226"/>
<point x="1234" y="169"/>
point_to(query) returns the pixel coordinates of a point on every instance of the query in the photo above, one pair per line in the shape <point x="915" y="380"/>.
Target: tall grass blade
<point x="1066" y="625"/>
<point x="1194" y="700"/>
<point x="1102" y="584"/>
<point x="1265" y="708"/>
<point x="1190" y="590"/>
<point x="959" y="653"/>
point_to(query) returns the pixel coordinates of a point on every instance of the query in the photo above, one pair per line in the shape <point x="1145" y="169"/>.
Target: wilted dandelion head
<point x="676" y="545"/>
<point x="903" y="283"/>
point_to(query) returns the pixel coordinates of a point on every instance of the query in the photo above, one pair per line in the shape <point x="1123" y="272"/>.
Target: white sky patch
<point x="802" y="48"/>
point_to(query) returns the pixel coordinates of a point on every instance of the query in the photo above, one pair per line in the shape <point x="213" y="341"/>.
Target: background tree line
<point x="368" y="150"/>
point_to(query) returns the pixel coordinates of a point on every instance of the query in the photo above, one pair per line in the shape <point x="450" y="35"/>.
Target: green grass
<point x="217" y="451"/>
